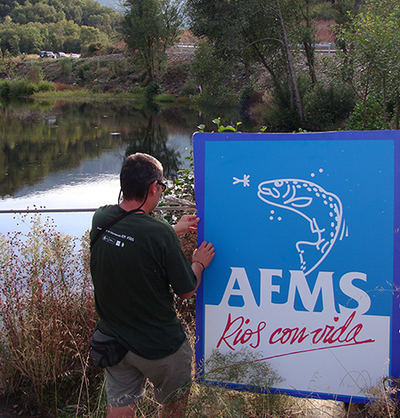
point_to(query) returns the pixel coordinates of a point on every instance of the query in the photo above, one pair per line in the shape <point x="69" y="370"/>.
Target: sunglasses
<point x="163" y="185"/>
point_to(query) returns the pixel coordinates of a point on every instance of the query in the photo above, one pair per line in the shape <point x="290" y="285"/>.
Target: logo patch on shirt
<point x="116" y="239"/>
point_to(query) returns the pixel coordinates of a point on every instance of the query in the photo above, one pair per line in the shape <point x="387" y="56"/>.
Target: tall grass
<point x="47" y="316"/>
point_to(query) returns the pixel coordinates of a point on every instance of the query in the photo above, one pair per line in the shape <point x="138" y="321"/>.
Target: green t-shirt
<point x="136" y="265"/>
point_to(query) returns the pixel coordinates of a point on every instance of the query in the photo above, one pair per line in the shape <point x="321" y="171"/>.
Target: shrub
<point x="35" y="74"/>
<point x="280" y="115"/>
<point x="189" y="89"/>
<point x="138" y="90"/>
<point x="85" y="72"/>
<point x="368" y="116"/>
<point x="21" y="88"/>
<point x="214" y="76"/>
<point x="94" y="48"/>
<point x="46" y="86"/>
<point x="152" y="90"/>
<point x="246" y="98"/>
<point x="326" y="105"/>
<point x="5" y="89"/>
<point x="66" y="67"/>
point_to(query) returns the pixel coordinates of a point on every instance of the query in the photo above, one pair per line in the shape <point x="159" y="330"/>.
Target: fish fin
<point x="299" y="202"/>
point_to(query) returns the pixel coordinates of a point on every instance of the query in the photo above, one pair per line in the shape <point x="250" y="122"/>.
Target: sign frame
<point x="200" y="141"/>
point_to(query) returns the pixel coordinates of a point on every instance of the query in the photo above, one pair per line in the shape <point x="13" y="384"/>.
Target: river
<point x="66" y="155"/>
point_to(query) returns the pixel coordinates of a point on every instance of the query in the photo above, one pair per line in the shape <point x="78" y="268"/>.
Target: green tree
<point x="212" y="76"/>
<point x="149" y="27"/>
<point x="371" y="61"/>
<point x="253" y="32"/>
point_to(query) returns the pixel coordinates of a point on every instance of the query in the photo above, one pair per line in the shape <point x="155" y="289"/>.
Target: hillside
<point x="69" y="25"/>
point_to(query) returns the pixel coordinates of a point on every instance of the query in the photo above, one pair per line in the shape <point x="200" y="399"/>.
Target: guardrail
<point x="80" y="210"/>
<point x="323" y="47"/>
<point x="170" y="203"/>
<point x="327" y="47"/>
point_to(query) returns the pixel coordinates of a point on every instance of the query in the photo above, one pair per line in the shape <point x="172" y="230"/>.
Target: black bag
<point x="106" y="351"/>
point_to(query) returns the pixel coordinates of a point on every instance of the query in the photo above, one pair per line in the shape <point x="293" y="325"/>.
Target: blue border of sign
<point x="199" y="142"/>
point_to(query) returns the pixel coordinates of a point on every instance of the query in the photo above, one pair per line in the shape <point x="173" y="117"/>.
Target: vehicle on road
<point x="74" y="55"/>
<point x="46" y="54"/>
<point x="61" y="54"/>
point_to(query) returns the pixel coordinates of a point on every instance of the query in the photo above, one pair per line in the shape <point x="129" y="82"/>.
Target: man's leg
<point x="124" y="388"/>
<point x="175" y="409"/>
<point x="121" y="412"/>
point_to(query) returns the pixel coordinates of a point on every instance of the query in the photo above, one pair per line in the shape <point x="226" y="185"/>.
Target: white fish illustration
<point x="323" y="210"/>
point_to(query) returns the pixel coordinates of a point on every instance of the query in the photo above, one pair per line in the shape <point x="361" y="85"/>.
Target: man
<point x="135" y="262"/>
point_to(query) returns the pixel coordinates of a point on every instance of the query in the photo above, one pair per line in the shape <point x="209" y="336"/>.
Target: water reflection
<point x="68" y="155"/>
<point x="37" y="141"/>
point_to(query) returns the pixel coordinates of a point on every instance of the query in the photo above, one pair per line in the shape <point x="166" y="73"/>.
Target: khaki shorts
<point x="170" y="376"/>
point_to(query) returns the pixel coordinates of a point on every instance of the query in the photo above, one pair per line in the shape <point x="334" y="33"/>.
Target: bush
<point x="368" y="118"/>
<point x="327" y="105"/>
<point x="214" y="76"/>
<point x="21" y="88"/>
<point x="46" y="86"/>
<point x="85" y="72"/>
<point x="189" y="89"/>
<point x="94" y="48"/>
<point x="152" y="90"/>
<point x="35" y="74"/>
<point x="280" y="116"/>
<point x="246" y="98"/>
<point x="138" y="90"/>
<point x="66" y="67"/>
<point x="5" y="89"/>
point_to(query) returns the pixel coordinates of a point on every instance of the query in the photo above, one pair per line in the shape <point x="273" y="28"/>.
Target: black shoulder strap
<point x="101" y="230"/>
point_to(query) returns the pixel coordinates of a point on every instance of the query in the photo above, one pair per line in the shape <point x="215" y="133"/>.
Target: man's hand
<point x="204" y="254"/>
<point x="185" y="224"/>
<point x="201" y="258"/>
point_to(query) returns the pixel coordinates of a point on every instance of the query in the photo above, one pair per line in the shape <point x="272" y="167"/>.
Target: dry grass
<point x="47" y="317"/>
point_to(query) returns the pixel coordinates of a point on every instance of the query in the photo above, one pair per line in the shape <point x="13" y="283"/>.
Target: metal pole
<point x="40" y="210"/>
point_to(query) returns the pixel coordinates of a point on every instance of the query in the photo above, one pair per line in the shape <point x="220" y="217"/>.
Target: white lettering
<point x="266" y="286"/>
<point x="349" y="289"/>
<point x="239" y="285"/>
<point x="239" y="276"/>
<point x="309" y="299"/>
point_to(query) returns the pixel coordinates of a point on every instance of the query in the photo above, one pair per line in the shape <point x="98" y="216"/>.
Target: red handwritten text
<point x="234" y="333"/>
<point x="327" y="335"/>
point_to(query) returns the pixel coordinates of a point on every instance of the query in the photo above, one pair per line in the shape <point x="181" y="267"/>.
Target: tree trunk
<point x="384" y="101"/>
<point x="365" y="105"/>
<point x="309" y="48"/>
<point x="292" y="75"/>
<point x="310" y="55"/>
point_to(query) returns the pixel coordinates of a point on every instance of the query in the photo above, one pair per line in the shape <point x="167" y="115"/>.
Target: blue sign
<point x="305" y="282"/>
